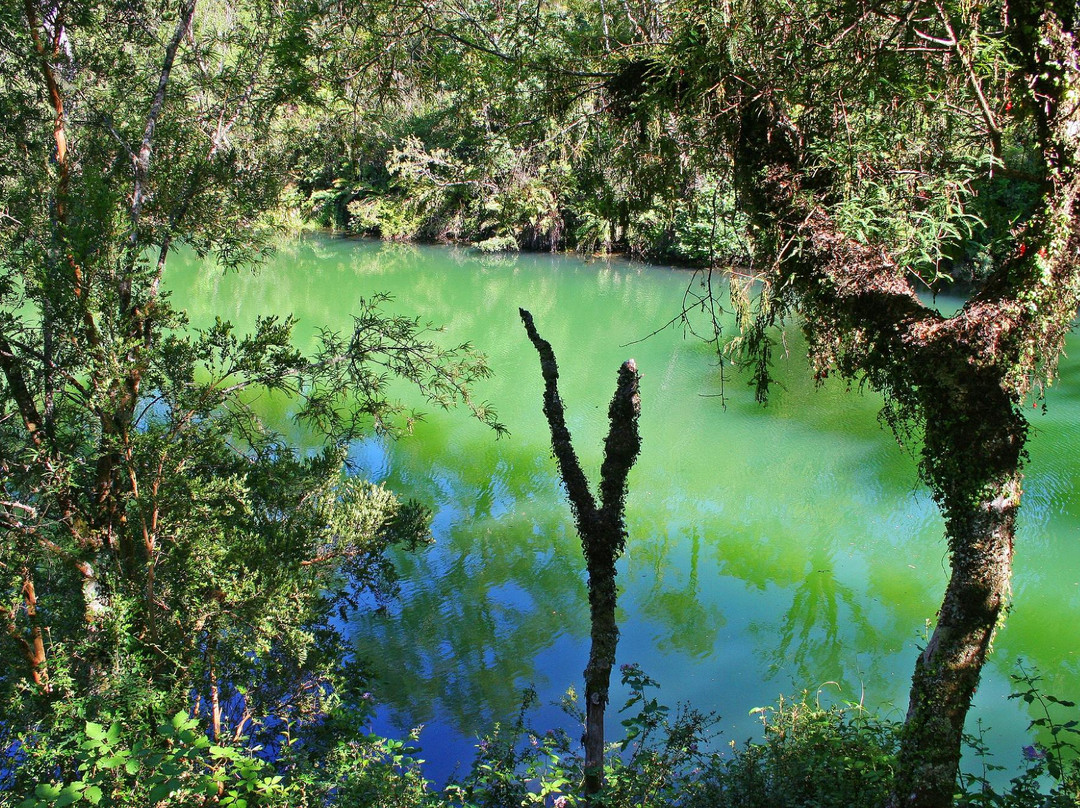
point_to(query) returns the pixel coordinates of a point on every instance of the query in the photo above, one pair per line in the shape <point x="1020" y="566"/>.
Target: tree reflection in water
<point x="769" y="549"/>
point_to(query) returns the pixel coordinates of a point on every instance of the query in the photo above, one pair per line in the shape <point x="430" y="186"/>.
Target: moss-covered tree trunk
<point x="602" y="530"/>
<point x="947" y="672"/>
<point x="958" y="380"/>
<point x="976" y="434"/>
<point x="952" y="377"/>
<point x="603" y="639"/>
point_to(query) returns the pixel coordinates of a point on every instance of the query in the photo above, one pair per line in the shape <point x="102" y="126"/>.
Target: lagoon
<point x="772" y="549"/>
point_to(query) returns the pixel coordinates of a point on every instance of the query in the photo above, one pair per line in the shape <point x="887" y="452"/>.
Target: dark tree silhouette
<point x="602" y="529"/>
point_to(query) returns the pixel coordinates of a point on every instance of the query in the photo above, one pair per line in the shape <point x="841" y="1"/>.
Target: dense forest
<point x="165" y="551"/>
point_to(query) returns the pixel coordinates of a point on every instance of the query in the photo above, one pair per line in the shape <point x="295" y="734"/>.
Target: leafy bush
<point x="838" y="756"/>
<point x="497" y="244"/>
<point x="389" y="217"/>
<point x="656" y="763"/>
<point x="811" y="756"/>
<point x="177" y="766"/>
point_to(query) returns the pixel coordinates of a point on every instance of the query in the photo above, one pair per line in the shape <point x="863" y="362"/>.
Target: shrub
<point x="825" y="757"/>
<point x="497" y="244"/>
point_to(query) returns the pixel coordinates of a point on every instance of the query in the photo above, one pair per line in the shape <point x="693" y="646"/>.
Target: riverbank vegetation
<point x="168" y="558"/>
<point x="573" y="127"/>
<point x="827" y="756"/>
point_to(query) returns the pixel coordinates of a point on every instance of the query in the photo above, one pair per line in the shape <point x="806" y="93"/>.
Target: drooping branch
<point x="602" y="532"/>
<point x="993" y="131"/>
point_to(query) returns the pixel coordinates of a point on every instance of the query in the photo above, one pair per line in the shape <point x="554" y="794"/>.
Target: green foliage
<point x="668" y="750"/>
<point x="509" y="759"/>
<point x="389" y="217"/>
<point x="517" y="765"/>
<point x="1062" y="749"/>
<point x="165" y="551"/>
<point x="1053" y="759"/>
<point x="497" y="244"/>
<point x="334" y="761"/>
<point x="521" y="142"/>
<point x="176" y="766"/>
<point x="440" y="136"/>
<point x="810" y="756"/>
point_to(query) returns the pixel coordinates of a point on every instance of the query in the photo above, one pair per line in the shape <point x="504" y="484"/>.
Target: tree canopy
<point x="847" y="158"/>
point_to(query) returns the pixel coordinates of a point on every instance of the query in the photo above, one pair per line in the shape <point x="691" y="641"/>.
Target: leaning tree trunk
<point x="973" y="453"/>
<point x="947" y="671"/>
<point x="957" y="379"/>
<point x="602" y="530"/>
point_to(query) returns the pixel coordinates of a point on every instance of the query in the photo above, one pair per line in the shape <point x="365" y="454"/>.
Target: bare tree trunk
<point x="602" y="530"/>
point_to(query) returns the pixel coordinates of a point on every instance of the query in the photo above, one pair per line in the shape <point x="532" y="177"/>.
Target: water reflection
<point x="690" y="623"/>
<point x="825" y="620"/>
<point x="770" y="548"/>
<point x="462" y="655"/>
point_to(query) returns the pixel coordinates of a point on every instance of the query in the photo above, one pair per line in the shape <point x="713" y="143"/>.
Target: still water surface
<point x="771" y="549"/>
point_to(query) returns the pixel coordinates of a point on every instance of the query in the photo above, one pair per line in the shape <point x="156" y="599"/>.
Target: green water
<point x="770" y="549"/>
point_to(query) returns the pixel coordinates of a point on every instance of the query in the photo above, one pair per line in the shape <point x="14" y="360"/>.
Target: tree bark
<point x="947" y="672"/>
<point x="33" y="649"/>
<point x="602" y="530"/>
<point x="974" y="435"/>
<point x="36" y="656"/>
<point x="215" y="696"/>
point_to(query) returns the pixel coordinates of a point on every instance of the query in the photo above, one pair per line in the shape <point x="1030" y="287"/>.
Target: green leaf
<point x="95" y="731"/>
<point x="68" y="795"/>
<point x="163" y="790"/>
<point x="113" y="761"/>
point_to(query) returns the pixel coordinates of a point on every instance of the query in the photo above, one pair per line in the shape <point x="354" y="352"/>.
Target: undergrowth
<point x="810" y="755"/>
